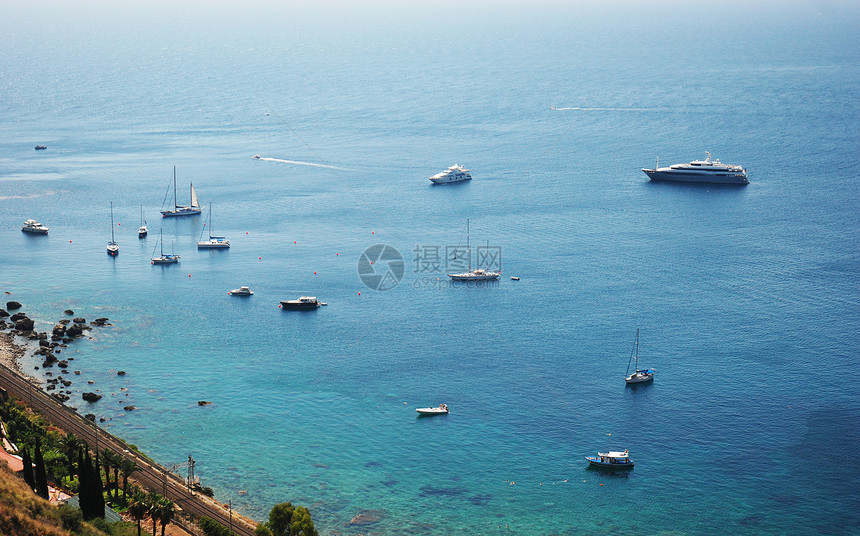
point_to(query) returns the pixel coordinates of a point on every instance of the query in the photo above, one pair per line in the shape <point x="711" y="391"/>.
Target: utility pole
<point x="231" y="515"/>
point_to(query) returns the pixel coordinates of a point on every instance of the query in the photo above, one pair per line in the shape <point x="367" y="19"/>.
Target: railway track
<point x="150" y="475"/>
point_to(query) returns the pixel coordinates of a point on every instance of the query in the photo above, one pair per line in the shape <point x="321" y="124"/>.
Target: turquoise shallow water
<point x="746" y="298"/>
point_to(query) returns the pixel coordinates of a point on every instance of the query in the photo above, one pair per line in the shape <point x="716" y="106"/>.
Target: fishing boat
<point x="182" y="210"/>
<point x="241" y="291"/>
<point x="214" y="242"/>
<point x="112" y="246"/>
<point x="164" y="258"/>
<point x="611" y="460"/>
<point x="34" y="227"/>
<point x="478" y="274"/>
<point x="639" y="376"/>
<point x="40" y="147"/>
<point x="441" y="409"/>
<point x="142" y="231"/>
<point x="304" y="302"/>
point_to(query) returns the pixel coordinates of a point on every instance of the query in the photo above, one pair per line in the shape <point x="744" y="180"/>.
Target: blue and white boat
<point x="172" y="258"/>
<point x="611" y="460"/>
<point x="214" y="242"/>
<point x="638" y="376"/>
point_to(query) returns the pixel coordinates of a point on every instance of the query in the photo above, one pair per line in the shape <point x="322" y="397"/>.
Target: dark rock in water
<point x="79" y="320"/>
<point x="3" y="324"/>
<point x="91" y="397"/>
<point x="68" y="339"/>
<point x="129" y="408"/>
<point x="50" y="358"/>
<point x="61" y="397"/>
<point x="64" y="321"/>
<point x="59" y="328"/>
<point x="32" y="336"/>
<point x="51" y="387"/>
<point x="17" y="316"/>
<point x="3" y="313"/>
<point x="63" y="364"/>
<point x="12" y="305"/>
<point x="69" y="312"/>
<point x="25" y="324"/>
<point x="74" y="331"/>
<point x="99" y="321"/>
<point x="78" y="372"/>
<point x="66" y="383"/>
<point x="120" y="373"/>
<point x="204" y="403"/>
<point x="368" y="517"/>
<point x="90" y="416"/>
<point x="43" y="343"/>
<point x="102" y="419"/>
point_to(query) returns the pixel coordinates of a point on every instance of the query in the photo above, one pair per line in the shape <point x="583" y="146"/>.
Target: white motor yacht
<point x="241" y="291"/>
<point x="455" y="173"/>
<point x="34" y="227"/>
<point x="441" y="409"/>
<point x="706" y="171"/>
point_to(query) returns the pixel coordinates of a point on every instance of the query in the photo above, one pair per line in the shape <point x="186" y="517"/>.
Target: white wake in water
<point x="300" y="163"/>
<point x="603" y="109"/>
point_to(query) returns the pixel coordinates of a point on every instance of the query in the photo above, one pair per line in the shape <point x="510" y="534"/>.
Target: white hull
<point x="181" y="211"/>
<point x="450" y="179"/>
<point x="34" y="227"/>
<point x="173" y="259"/>
<point x="213" y="244"/>
<point x="35" y="231"/>
<point x="113" y="250"/>
<point x="455" y="173"/>
<point x="474" y="277"/>
<point x="639" y="377"/>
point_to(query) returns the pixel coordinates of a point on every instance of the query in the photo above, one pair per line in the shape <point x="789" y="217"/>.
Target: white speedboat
<point x="304" y="302"/>
<point x="478" y="274"/>
<point x="34" y="227"/>
<point x="441" y="409"/>
<point x="112" y="246"/>
<point x="638" y="376"/>
<point x="241" y="291"/>
<point x="455" y="173"/>
<point x="182" y="210"/>
<point x="611" y="460"/>
<point x="256" y="157"/>
<point x="214" y="242"/>
<point x="706" y="171"/>
<point x="164" y="258"/>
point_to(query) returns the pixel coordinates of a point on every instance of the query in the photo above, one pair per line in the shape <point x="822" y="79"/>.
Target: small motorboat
<point x="513" y="278"/>
<point x="441" y="409"/>
<point x="611" y="460"/>
<point x="241" y="291"/>
<point x="304" y="302"/>
<point x="256" y="157"/>
<point x="41" y="147"/>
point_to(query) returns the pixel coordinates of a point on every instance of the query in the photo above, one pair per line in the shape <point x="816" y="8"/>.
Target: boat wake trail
<point x="301" y="163"/>
<point x="603" y="109"/>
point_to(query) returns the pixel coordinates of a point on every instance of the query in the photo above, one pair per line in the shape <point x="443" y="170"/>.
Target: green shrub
<point x="71" y="517"/>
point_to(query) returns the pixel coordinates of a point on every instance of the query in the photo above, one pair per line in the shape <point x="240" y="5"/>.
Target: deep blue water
<point x="747" y="298"/>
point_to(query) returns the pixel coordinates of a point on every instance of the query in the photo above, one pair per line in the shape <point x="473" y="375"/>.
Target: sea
<point x="746" y="299"/>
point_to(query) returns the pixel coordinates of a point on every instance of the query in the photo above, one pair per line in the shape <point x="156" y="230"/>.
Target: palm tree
<point x="70" y="445"/>
<point x="138" y="507"/>
<point x="127" y="467"/>
<point x="166" y="510"/>
<point x="108" y="462"/>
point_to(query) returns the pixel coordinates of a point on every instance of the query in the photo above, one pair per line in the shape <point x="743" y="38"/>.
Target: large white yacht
<point x="707" y="170"/>
<point x="32" y="226"/>
<point x="455" y="173"/>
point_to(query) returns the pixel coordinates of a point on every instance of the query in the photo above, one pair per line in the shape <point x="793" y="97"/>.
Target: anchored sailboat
<point x="478" y="274"/>
<point x="182" y="210"/>
<point x="163" y="259"/>
<point x="214" y="242"/>
<point x="639" y="376"/>
<point x="112" y="247"/>
<point x="142" y="231"/>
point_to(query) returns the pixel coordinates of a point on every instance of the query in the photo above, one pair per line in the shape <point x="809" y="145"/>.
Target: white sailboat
<point x="639" y="376"/>
<point x="163" y="259"/>
<point x="142" y="231"/>
<point x="182" y="210"/>
<point x="478" y="274"/>
<point x="112" y="246"/>
<point x="214" y="242"/>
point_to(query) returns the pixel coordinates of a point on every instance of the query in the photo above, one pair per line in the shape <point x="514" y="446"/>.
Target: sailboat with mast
<point x="478" y="274"/>
<point x="639" y="376"/>
<point x="112" y="246"/>
<point x="142" y="231"/>
<point x="182" y="210"/>
<point x="172" y="258"/>
<point x="214" y="242"/>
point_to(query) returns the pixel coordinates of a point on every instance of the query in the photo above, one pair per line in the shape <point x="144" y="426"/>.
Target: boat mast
<point x="175" y="204"/>
<point x="637" y="349"/>
<point x="468" y="247"/>
<point x="111" y="222"/>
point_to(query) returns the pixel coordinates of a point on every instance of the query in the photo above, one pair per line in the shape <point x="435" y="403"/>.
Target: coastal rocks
<point x="3" y="313"/>
<point x="64" y="321"/>
<point x="58" y="332"/>
<point x="44" y="343"/>
<point x="90" y="417"/>
<point x="13" y="305"/>
<point x="60" y="396"/>
<point x="17" y="316"/>
<point x="91" y="397"/>
<point x="77" y="372"/>
<point x="25" y="324"/>
<point x="79" y="320"/>
<point x="204" y="403"/>
<point x="100" y="322"/>
<point x="69" y="312"/>
<point x="129" y="408"/>
<point x="74" y="330"/>
<point x="120" y="373"/>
